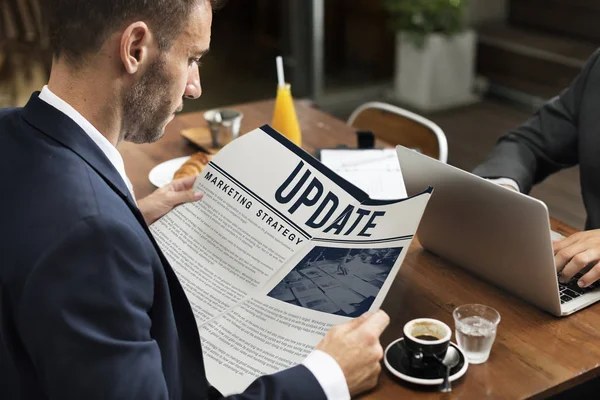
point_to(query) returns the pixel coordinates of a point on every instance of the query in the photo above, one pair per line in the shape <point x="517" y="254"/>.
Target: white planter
<point x="440" y="75"/>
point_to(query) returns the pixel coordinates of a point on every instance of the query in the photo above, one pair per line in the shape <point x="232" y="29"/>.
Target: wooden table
<point x="535" y="354"/>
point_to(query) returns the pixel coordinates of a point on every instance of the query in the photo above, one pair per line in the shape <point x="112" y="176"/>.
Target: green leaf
<point x="420" y="18"/>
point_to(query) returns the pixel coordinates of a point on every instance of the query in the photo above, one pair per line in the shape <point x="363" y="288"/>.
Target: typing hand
<point x="576" y="252"/>
<point x="509" y="187"/>
<point x="168" y="197"/>
<point x="356" y="348"/>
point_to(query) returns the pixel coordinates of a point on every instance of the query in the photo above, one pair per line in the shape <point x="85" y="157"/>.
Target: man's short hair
<point x="80" y="27"/>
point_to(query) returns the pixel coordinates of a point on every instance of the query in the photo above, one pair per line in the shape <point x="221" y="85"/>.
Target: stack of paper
<point x="375" y="171"/>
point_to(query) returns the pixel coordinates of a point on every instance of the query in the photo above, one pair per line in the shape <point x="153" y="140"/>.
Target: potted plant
<point x="435" y="53"/>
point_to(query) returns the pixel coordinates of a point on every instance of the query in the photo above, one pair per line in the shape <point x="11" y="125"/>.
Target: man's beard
<point x="147" y="107"/>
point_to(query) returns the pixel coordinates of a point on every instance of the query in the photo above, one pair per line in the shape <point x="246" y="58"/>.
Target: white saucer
<point x="162" y="174"/>
<point x="404" y="374"/>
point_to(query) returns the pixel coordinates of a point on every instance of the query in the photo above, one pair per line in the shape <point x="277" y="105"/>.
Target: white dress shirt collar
<point x="107" y="148"/>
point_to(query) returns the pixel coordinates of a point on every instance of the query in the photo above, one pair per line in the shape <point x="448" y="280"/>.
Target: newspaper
<point x="279" y="250"/>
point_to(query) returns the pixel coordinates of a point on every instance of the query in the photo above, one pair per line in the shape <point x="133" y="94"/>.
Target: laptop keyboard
<point x="571" y="291"/>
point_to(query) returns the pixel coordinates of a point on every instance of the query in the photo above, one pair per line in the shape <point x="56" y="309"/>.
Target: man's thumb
<point x="356" y="322"/>
<point x="186" y="196"/>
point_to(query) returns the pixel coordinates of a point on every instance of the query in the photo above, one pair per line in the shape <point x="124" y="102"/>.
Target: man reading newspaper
<point x="90" y="307"/>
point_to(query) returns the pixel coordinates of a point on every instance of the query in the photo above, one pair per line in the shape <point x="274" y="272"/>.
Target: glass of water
<point x="475" y="328"/>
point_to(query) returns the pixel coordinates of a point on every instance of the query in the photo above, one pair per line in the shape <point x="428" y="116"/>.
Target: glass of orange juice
<point x="285" y="120"/>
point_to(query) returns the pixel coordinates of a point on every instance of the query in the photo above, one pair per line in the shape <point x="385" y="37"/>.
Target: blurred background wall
<point x="341" y="53"/>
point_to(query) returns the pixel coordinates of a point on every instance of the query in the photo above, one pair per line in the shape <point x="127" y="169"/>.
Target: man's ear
<point x="136" y="41"/>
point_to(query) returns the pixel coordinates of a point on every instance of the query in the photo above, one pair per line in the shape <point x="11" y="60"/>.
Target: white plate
<point x="422" y="381"/>
<point x="162" y="174"/>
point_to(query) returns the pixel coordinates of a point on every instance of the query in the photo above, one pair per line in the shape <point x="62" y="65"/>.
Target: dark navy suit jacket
<point x="89" y="306"/>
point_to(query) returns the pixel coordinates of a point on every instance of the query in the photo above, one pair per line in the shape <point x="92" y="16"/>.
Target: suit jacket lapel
<point x="57" y="126"/>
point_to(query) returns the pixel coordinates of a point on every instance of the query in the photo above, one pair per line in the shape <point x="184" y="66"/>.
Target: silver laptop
<point x="500" y="235"/>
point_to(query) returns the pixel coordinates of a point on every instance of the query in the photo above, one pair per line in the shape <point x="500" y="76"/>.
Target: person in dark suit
<point x="561" y="134"/>
<point x="89" y="306"/>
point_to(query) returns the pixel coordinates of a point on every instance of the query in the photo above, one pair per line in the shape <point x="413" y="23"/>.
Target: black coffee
<point x="427" y="337"/>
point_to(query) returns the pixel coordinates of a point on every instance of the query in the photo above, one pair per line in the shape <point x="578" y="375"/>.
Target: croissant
<point x="193" y="166"/>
